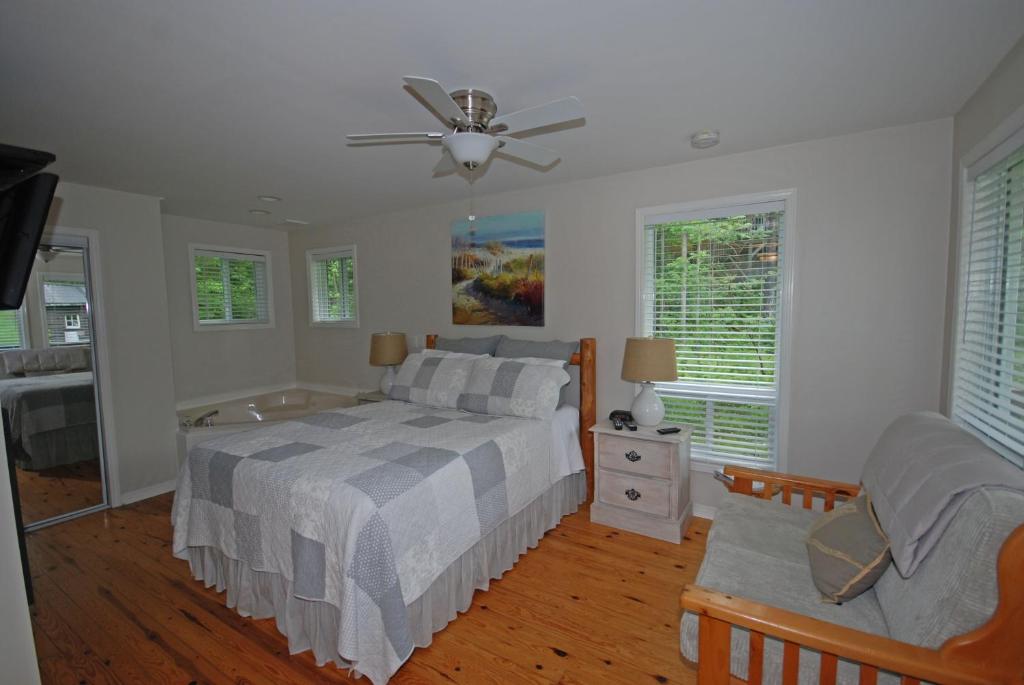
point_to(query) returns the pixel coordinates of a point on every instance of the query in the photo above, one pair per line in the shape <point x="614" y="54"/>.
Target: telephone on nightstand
<point x="620" y="418"/>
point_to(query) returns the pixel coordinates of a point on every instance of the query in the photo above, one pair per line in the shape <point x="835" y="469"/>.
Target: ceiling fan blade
<point x="396" y="136"/>
<point x="557" y="112"/>
<point x="436" y="96"/>
<point x="535" y="154"/>
<point x="445" y="166"/>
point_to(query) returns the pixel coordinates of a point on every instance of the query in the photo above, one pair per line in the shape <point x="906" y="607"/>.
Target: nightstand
<point x="370" y="397"/>
<point x="642" y="480"/>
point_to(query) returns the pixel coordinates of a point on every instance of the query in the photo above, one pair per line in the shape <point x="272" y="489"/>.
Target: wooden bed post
<point x="588" y="407"/>
<point x="431" y="341"/>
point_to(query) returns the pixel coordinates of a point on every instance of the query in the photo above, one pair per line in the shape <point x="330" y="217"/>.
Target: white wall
<point x="135" y="301"/>
<point x="17" y="650"/>
<point x="870" y="243"/>
<point x="996" y="99"/>
<point x="216" y="362"/>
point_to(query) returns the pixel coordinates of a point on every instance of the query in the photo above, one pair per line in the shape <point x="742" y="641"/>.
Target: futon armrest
<point x="718" y="612"/>
<point x="743" y="480"/>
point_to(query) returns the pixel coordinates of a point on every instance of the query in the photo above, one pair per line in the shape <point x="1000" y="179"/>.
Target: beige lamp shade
<point x="649" y="359"/>
<point x="387" y="349"/>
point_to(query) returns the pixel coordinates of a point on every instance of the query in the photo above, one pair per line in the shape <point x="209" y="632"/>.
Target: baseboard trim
<point x="148" y="491"/>
<point x="704" y="511"/>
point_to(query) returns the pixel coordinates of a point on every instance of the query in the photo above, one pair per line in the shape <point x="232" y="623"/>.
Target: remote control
<point x="669" y="430"/>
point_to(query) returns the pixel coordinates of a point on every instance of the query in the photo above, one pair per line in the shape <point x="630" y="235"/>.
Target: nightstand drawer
<point x="639" y="494"/>
<point x="636" y="456"/>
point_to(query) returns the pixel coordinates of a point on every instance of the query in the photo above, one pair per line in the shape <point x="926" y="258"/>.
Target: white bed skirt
<point x="314" y="625"/>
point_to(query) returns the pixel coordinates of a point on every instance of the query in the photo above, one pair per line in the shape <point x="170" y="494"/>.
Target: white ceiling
<point x="209" y="103"/>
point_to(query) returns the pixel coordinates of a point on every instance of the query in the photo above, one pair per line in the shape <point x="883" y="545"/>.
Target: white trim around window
<point x="983" y="382"/>
<point x="787" y="200"/>
<point x="349" y="298"/>
<point x="261" y="256"/>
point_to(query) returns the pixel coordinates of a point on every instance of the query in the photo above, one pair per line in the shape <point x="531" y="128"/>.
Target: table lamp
<point x="647" y="360"/>
<point x="387" y="349"/>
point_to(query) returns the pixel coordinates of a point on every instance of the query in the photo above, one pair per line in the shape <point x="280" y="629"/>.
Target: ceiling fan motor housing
<point x="479" y="108"/>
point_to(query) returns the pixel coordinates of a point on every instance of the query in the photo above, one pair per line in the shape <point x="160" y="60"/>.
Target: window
<point x="710" y="278"/>
<point x="332" y="286"/>
<point x="65" y="300"/>
<point x="988" y="376"/>
<point x="230" y="288"/>
<point x="13" y="331"/>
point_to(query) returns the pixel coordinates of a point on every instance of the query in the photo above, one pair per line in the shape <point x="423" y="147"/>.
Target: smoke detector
<point x="702" y="140"/>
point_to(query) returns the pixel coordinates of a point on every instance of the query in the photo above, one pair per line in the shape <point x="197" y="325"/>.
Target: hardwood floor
<point x="590" y="605"/>
<point x="62" y="489"/>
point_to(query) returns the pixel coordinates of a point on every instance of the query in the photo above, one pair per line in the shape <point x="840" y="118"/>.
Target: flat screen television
<point x="25" y="197"/>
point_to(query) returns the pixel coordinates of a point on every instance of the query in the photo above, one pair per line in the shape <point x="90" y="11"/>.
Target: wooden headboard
<point x="586" y="359"/>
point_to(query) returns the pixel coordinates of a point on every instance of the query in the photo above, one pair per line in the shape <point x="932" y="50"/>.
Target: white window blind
<point x="711" y="281"/>
<point x="65" y="302"/>
<point x="332" y="285"/>
<point x="988" y="393"/>
<point x="230" y="287"/>
<point x="13" y="332"/>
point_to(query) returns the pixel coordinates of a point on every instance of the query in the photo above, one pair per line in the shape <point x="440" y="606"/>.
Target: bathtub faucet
<point x="205" y="420"/>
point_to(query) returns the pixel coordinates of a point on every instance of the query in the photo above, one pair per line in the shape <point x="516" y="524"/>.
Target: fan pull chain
<point x="472" y="195"/>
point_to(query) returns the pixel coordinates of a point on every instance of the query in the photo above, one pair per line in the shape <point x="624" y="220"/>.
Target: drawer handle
<point x="632" y="494"/>
<point x="633" y="456"/>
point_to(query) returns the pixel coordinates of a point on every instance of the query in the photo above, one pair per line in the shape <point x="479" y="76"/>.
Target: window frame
<point x="787" y="276"/>
<point x="44" y="321"/>
<point x="1002" y="142"/>
<point x="200" y="326"/>
<point x="316" y="253"/>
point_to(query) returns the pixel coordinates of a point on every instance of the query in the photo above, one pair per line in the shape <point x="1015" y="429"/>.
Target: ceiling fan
<point x="476" y="131"/>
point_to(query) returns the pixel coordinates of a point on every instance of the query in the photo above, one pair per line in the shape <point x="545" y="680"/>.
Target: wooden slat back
<point x="755" y="662"/>
<point x="790" y="663"/>
<point x="868" y="675"/>
<point x="829" y="667"/>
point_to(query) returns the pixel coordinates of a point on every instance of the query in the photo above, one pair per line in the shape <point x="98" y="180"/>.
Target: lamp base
<point x="647" y="408"/>
<point x="387" y="380"/>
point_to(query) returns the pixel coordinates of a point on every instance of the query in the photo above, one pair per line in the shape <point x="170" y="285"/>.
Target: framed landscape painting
<point x="498" y="270"/>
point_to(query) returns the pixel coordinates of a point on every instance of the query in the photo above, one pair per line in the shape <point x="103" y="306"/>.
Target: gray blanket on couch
<point x="361" y="508"/>
<point x="920" y="472"/>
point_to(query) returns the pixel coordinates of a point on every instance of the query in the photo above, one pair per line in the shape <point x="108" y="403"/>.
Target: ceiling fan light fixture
<point x="470" y="149"/>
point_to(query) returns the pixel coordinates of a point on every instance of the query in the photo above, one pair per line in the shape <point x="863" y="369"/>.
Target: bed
<point x="365" y="530"/>
<point x="52" y="419"/>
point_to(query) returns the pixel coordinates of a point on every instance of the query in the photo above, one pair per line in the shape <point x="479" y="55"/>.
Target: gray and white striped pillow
<point x="527" y="387"/>
<point x="433" y="378"/>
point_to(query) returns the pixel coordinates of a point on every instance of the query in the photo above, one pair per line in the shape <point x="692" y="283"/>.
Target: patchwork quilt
<point x="362" y="508"/>
<point x="40" y="408"/>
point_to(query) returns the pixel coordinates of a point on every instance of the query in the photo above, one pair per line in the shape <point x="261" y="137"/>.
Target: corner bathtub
<point x="247" y="413"/>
